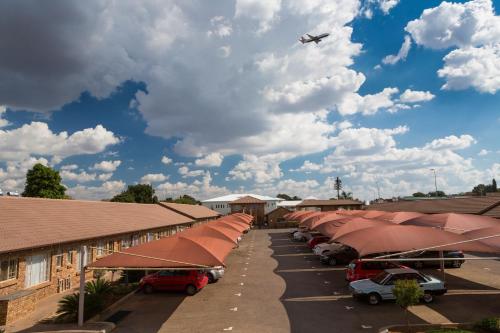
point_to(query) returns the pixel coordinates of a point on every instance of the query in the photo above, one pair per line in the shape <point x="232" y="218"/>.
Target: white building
<point x="289" y="204"/>
<point x="221" y="204"/>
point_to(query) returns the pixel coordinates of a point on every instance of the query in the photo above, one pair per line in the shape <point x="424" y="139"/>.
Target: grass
<point x="448" y="330"/>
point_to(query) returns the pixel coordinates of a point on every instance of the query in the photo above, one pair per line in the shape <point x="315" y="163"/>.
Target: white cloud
<point x="105" y="176"/>
<point x="483" y="152"/>
<point x="367" y="104"/>
<point x="81" y="177"/>
<point x="451" y="142"/>
<point x="308" y="166"/>
<point x="185" y="172"/>
<point x="221" y="27"/>
<point x="69" y="167"/>
<point x="387" y="5"/>
<point x="473" y="29"/>
<point x="37" y="139"/>
<point x="224" y="51"/>
<point x="265" y="12"/>
<point x="166" y="160"/>
<point x="402" y="53"/>
<point x="261" y="169"/>
<point x="414" y="96"/>
<point x="107" y="166"/>
<point x="3" y="122"/>
<point x="210" y="160"/>
<point x="201" y="190"/>
<point x="153" y="178"/>
<point x="476" y="67"/>
<point x="106" y="190"/>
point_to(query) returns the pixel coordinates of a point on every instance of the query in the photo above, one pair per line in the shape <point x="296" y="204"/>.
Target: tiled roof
<point x="192" y="211"/>
<point x="486" y="205"/>
<point x="247" y="200"/>
<point x="233" y="197"/>
<point x="31" y="222"/>
<point x="317" y="203"/>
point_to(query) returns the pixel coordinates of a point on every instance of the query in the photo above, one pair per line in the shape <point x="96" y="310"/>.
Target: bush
<point x="407" y="293"/>
<point x="67" y="310"/>
<point x="448" y="330"/>
<point x="98" y="287"/>
<point x="489" y="325"/>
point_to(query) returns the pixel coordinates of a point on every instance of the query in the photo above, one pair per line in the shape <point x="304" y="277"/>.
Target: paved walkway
<point x="247" y="299"/>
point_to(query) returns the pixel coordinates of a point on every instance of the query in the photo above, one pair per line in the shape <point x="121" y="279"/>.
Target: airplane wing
<point x="317" y="41"/>
<point x="312" y="37"/>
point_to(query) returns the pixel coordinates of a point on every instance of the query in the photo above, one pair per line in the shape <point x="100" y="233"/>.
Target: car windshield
<point x="380" y="277"/>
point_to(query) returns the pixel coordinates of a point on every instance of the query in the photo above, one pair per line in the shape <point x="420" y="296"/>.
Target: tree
<point x="44" y="182"/>
<point x="287" y="197"/>
<point x="407" y="293"/>
<point x="437" y="194"/>
<point x="479" y="189"/>
<point x="419" y="195"/>
<point x="184" y="199"/>
<point x="140" y="193"/>
<point x="346" y="195"/>
<point x="494" y="185"/>
<point x="338" y="186"/>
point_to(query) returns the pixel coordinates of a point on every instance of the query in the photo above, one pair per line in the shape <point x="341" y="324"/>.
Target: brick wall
<point x="11" y="310"/>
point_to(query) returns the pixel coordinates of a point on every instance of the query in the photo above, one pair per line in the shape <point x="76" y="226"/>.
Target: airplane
<point x="315" y="39"/>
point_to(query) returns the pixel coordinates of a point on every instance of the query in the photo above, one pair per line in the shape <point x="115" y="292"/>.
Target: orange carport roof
<point x="171" y="252"/>
<point x="325" y="219"/>
<point x="457" y="223"/>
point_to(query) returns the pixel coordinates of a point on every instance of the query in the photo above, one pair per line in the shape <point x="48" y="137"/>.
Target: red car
<point x="358" y="270"/>
<point x="317" y="240"/>
<point x="190" y="281"/>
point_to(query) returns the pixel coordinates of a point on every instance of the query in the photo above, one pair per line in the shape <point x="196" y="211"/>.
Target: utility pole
<point x="435" y="182"/>
<point x="378" y="189"/>
<point x="81" y="299"/>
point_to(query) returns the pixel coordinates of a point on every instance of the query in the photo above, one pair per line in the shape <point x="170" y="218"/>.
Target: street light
<point x="435" y="182"/>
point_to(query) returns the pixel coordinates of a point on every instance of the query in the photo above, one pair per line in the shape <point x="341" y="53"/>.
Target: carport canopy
<point x="179" y="251"/>
<point x="401" y="238"/>
<point x="457" y="223"/>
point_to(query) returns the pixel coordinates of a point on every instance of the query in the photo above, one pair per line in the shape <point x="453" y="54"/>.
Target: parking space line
<point x="294" y="255"/>
<point x="429" y="315"/>
<point x="298" y="270"/>
<point x="471" y="292"/>
<point x="328" y="298"/>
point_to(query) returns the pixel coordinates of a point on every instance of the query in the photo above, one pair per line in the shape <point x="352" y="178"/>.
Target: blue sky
<point x="207" y="99"/>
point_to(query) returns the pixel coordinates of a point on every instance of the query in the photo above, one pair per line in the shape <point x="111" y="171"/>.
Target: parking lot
<point x="273" y="284"/>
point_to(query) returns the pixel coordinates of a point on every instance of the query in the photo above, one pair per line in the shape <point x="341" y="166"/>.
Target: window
<point x="8" y="269"/>
<point x="37" y="269"/>
<point x="150" y="237"/>
<point x="69" y="257"/>
<point x="100" y="248"/>
<point x="136" y="240"/>
<point x="110" y="248"/>
<point x="89" y="256"/>
<point x="125" y="243"/>
<point x="59" y="259"/>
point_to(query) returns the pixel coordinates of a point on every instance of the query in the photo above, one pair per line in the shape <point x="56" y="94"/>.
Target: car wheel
<point x="428" y="298"/>
<point x="418" y="264"/>
<point x="456" y="264"/>
<point x="374" y="299"/>
<point x="191" y="290"/>
<point x="211" y="278"/>
<point x="332" y="261"/>
<point x="148" y="289"/>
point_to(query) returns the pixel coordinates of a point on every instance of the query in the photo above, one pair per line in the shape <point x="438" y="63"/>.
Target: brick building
<point x="40" y="241"/>
<point x="250" y="205"/>
<point x="274" y="217"/>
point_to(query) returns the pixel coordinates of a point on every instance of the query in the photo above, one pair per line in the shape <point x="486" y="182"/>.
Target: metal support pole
<point x="441" y="263"/>
<point x="81" y="299"/>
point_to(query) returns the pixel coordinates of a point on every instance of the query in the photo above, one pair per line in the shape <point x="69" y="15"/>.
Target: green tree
<point x="187" y="200"/>
<point x="494" y="187"/>
<point x="140" y="193"/>
<point x="287" y="197"/>
<point x="346" y="195"/>
<point x="44" y="182"/>
<point x="407" y="293"/>
<point x="338" y="186"/>
<point x="419" y="195"/>
<point x="479" y="189"/>
<point x="437" y="194"/>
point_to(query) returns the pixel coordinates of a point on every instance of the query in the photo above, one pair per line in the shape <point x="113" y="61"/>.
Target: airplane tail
<point x="302" y="40"/>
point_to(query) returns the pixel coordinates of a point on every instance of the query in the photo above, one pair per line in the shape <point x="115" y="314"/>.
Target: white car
<point x="381" y="286"/>
<point x="324" y="247"/>
<point x="302" y="236"/>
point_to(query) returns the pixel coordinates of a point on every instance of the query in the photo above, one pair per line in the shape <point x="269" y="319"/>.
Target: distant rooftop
<point x="317" y="203"/>
<point x="288" y="203"/>
<point x="247" y="200"/>
<point x="233" y="197"/>
<point x="192" y="211"/>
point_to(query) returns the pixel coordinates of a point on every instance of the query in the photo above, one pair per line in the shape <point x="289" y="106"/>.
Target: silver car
<point x="381" y="286"/>
<point x="214" y="274"/>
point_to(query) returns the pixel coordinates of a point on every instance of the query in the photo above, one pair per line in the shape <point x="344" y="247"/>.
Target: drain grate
<point x="118" y="316"/>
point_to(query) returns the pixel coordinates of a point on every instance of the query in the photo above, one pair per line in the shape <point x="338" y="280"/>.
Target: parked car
<point x="190" y="281"/>
<point x="326" y="247"/>
<point x="215" y="274"/>
<point x="302" y="236"/>
<point x="342" y="255"/>
<point x="358" y="270"/>
<point x="317" y="240"/>
<point x="456" y="259"/>
<point x="381" y="287"/>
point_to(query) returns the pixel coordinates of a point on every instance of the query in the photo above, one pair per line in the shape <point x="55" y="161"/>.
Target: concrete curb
<point x="402" y="327"/>
<point x="95" y="327"/>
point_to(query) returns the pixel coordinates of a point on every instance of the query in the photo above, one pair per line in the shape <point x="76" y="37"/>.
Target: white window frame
<point x="37" y="271"/>
<point x="12" y="273"/>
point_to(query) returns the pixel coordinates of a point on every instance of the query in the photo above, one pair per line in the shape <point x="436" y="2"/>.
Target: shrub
<point x="407" y="293"/>
<point x="98" y="287"/>
<point x="67" y="310"/>
<point x="489" y="325"/>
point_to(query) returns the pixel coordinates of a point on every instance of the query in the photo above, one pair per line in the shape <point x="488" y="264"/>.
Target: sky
<point x="210" y="98"/>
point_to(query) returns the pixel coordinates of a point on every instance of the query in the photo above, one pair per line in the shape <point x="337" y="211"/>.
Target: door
<point x="388" y="286"/>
